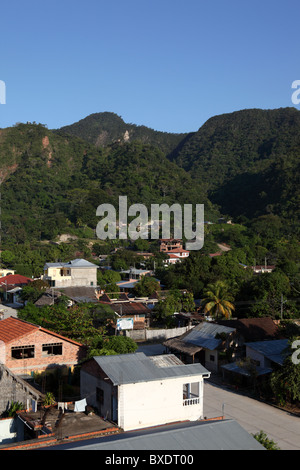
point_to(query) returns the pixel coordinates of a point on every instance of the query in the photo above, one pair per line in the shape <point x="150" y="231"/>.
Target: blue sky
<point x="167" y="64"/>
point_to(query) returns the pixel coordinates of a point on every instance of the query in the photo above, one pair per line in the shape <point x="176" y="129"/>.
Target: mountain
<point x="102" y="129"/>
<point x="243" y="164"/>
<point x="53" y="182"/>
<point x="248" y="160"/>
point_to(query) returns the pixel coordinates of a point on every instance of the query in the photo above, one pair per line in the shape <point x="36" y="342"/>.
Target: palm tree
<point x="217" y="301"/>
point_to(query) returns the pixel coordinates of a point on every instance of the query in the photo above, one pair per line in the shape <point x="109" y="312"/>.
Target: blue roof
<point x="204" y="335"/>
<point x="274" y="349"/>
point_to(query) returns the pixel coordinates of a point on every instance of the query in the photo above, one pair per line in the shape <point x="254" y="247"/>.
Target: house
<point x="75" y="273"/>
<point x="167" y="244"/>
<point x="131" y="315"/>
<point x="11" y="286"/>
<point x="26" y="348"/>
<point x="203" y="343"/>
<point x="176" y="255"/>
<point x="267" y="354"/>
<point x="137" y="391"/>
<point x="261" y="269"/>
<point x="252" y="329"/>
<point x="6" y="272"/>
<point x="261" y="358"/>
<point x="131" y="277"/>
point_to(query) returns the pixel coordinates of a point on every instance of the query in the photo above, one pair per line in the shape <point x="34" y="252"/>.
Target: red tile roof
<point x="14" y="279"/>
<point x="12" y="328"/>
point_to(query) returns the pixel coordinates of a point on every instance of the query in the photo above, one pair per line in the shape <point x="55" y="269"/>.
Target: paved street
<point x="253" y="415"/>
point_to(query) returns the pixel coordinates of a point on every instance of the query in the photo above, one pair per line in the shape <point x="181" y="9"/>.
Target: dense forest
<point x="242" y="166"/>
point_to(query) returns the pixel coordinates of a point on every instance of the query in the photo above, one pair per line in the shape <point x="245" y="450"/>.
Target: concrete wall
<point x="157" y="402"/>
<point x="143" y="404"/>
<point x="14" y="390"/>
<point x="156" y="335"/>
<point x="77" y="277"/>
<point x="11" y="430"/>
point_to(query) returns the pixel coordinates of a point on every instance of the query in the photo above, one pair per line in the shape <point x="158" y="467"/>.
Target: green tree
<point x="217" y="301"/>
<point x="285" y="382"/>
<point x="146" y="286"/>
<point x="264" y="440"/>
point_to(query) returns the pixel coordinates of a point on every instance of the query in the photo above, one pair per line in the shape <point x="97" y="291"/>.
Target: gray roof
<point x="203" y="335"/>
<point x="239" y="369"/>
<point x="137" y="367"/>
<point x="274" y="350"/>
<point x="225" y="434"/>
<point x="75" y="263"/>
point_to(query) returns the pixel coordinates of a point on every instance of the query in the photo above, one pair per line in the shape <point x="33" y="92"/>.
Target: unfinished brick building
<point x="27" y="348"/>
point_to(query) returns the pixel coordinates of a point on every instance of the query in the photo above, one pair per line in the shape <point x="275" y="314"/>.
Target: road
<point x="253" y="415"/>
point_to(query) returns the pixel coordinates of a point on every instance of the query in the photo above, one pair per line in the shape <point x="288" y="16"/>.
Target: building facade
<point x="136" y="391"/>
<point x="27" y="348"/>
<point x="77" y="272"/>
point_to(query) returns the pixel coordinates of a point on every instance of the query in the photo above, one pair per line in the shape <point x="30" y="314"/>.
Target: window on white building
<point x="191" y="393"/>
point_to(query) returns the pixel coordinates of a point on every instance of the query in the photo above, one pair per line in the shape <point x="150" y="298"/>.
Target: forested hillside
<point x="52" y="183"/>
<point x="243" y="165"/>
<point x="103" y="129"/>
<point x="249" y="162"/>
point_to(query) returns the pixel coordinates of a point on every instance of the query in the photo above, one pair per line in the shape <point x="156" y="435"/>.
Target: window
<point x="100" y="395"/>
<point x="22" y="352"/>
<point x="191" y="393"/>
<point x="211" y="357"/>
<point x="53" y="349"/>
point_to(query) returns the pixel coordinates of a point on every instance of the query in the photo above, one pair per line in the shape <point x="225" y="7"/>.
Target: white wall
<point x="157" y="402"/>
<point x="11" y="430"/>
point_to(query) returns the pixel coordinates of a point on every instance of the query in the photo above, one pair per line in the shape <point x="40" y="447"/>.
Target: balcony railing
<point x="191" y="401"/>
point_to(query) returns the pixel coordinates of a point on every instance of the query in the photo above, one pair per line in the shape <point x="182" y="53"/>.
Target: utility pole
<point x="281" y="306"/>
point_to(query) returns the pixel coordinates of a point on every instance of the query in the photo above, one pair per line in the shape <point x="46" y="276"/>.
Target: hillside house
<point x="261" y="269"/>
<point x="6" y="272"/>
<point x="168" y="244"/>
<point x="176" y="255"/>
<point x="75" y="273"/>
<point x="137" y="391"/>
<point x="27" y="348"/>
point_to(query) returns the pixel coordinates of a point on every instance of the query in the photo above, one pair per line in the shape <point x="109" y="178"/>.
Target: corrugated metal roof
<point x="137" y="367"/>
<point x="201" y="435"/>
<point x="235" y="367"/>
<point x="204" y="335"/>
<point x="75" y="263"/>
<point x="272" y="349"/>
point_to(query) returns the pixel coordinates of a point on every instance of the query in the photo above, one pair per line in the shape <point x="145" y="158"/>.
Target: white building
<point x="77" y="272"/>
<point x="176" y="255"/>
<point x="137" y="391"/>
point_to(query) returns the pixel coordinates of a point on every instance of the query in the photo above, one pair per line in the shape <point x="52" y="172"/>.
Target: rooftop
<point x="225" y="434"/>
<point x="274" y="350"/>
<point x="12" y="328"/>
<point x="137" y="367"/>
<point x="75" y="263"/>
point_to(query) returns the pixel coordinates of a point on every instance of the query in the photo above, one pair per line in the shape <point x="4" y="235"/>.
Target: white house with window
<point x="138" y="391"/>
<point x="77" y="272"/>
